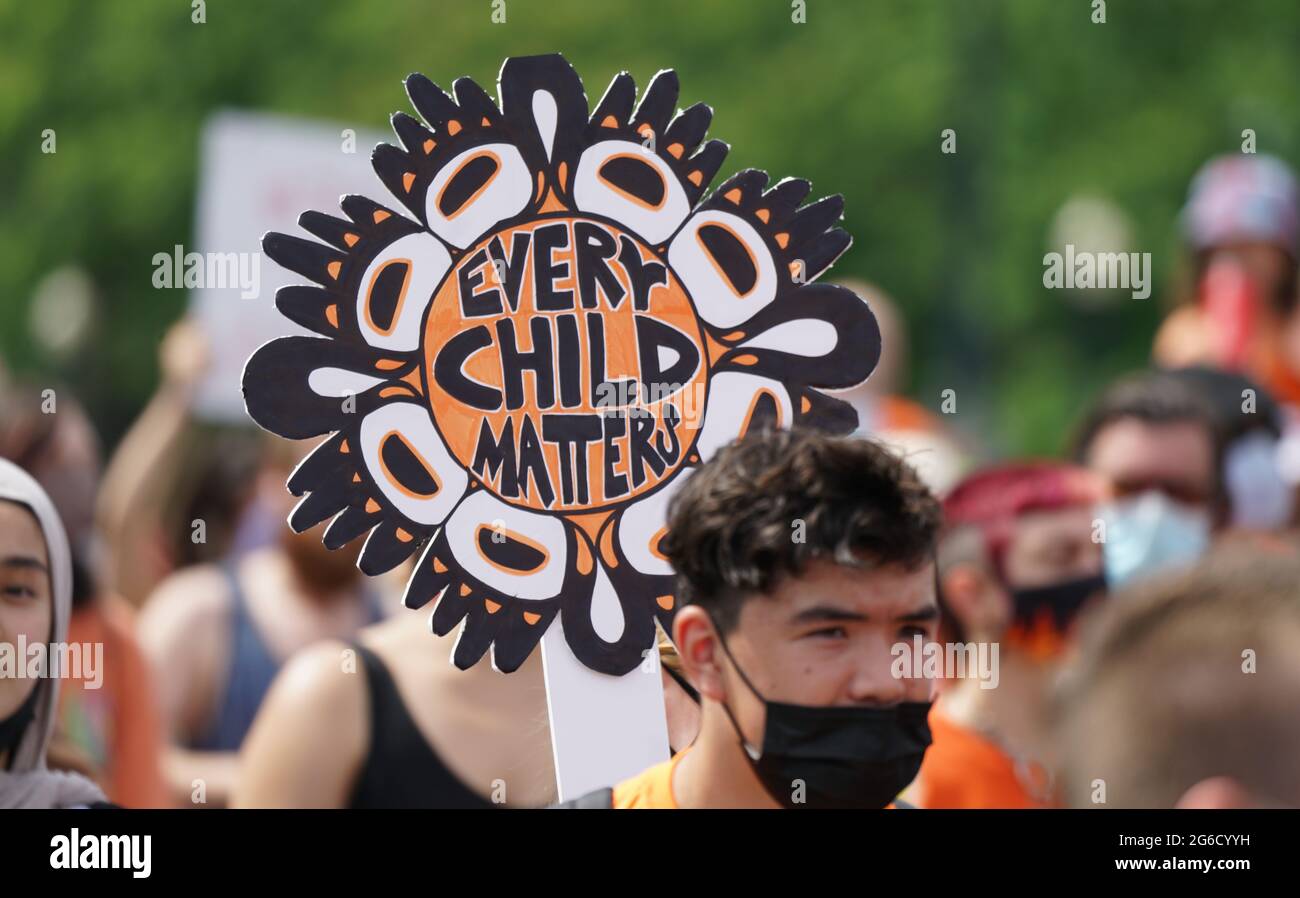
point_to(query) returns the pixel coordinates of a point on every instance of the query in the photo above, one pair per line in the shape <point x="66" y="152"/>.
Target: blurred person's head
<point x="320" y="571"/>
<point x="35" y="606"/>
<point x="1018" y="556"/>
<point x="26" y="614"/>
<point x="235" y="484"/>
<point x="1242" y="209"/>
<point x="1249" y="424"/>
<point x="1153" y="438"/>
<point x="802" y="560"/>
<point x="1239" y="286"/>
<point x="47" y="433"/>
<point x="1184" y="691"/>
<point x="218" y="485"/>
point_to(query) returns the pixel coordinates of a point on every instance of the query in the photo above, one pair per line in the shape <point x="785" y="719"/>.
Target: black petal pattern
<point x="464" y="167"/>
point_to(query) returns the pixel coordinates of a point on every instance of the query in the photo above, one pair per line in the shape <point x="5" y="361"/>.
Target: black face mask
<point x="836" y="756"/>
<point x="13" y="726"/>
<point x="1063" y="599"/>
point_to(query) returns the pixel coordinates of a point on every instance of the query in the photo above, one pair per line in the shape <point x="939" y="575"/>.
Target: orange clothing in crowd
<point x="963" y="769"/>
<point x="652" y="788"/>
<point x="112" y="733"/>
<point x="1279" y="378"/>
<point x="900" y="413"/>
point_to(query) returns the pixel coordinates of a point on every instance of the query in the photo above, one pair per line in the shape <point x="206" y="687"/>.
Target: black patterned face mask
<point x="836" y="756"/>
<point x="1063" y="600"/>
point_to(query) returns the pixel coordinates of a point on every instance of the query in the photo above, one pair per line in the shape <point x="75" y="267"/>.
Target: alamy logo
<point x="216" y="271"/>
<point x="91" y="852"/>
<point x="1102" y="271"/>
<point x="924" y="660"/>
<point x="83" y="661"/>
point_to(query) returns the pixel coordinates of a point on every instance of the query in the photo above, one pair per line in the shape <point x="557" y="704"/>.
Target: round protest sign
<point x="519" y="366"/>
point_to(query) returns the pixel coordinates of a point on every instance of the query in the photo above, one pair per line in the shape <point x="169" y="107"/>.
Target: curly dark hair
<point x="733" y="528"/>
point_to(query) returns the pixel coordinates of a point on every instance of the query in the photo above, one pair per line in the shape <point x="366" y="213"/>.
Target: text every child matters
<point x="572" y="361"/>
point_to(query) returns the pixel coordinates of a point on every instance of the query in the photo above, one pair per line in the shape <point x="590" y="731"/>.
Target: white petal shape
<point x="667" y="357"/>
<point x="420" y="264"/>
<point x="641" y="525"/>
<point x="418" y="442"/>
<point x="606" y="612"/>
<point x="733" y="396"/>
<point x="593" y="191"/>
<point x="811" y="337"/>
<point x="718" y="300"/>
<point x="545" y="116"/>
<point x="340" y="382"/>
<point x="540" y="533"/>
<point x="504" y="194"/>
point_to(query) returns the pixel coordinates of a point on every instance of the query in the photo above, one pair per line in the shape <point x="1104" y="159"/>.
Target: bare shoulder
<point x="325" y="677"/>
<point x="309" y="736"/>
<point x="182" y="631"/>
<point x="318" y="698"/>
<point x="194" y="597"/>
<point x="201" y="590"/>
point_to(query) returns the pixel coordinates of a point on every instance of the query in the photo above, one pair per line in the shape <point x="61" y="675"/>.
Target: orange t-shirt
<point x="653" y="788"/>
<point x="962" y="769"/>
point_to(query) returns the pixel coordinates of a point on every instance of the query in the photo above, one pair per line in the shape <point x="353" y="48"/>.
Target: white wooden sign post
<point x="603" y="729"/>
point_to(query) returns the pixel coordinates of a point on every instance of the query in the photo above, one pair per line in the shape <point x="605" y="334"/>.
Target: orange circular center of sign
<point x="566" y="367"/>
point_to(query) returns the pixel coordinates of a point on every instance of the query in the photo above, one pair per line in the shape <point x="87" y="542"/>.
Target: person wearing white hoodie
<point x="35" y="605"/>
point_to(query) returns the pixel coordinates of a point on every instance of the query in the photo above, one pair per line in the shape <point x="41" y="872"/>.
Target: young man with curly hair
<point x="802" y="560"/>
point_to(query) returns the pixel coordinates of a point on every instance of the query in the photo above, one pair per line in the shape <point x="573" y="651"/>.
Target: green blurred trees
<point x="1045" y="104"/>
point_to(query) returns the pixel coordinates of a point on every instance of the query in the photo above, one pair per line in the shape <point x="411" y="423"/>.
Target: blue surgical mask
<point x="1150" y="533"/>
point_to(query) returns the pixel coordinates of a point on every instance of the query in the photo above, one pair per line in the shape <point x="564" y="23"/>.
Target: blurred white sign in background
<point x="258" y="173"/>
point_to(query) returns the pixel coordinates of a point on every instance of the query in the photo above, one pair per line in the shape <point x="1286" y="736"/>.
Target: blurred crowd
<point x="1131" y="584"/>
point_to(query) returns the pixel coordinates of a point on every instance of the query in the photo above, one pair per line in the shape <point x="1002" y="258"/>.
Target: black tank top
<point x="401" y="770"/>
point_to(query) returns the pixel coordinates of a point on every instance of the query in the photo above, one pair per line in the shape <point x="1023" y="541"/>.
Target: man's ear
<point x="1216" y="792"/>
<point x="977" y="600"/>
<point x="699" y="650"/>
